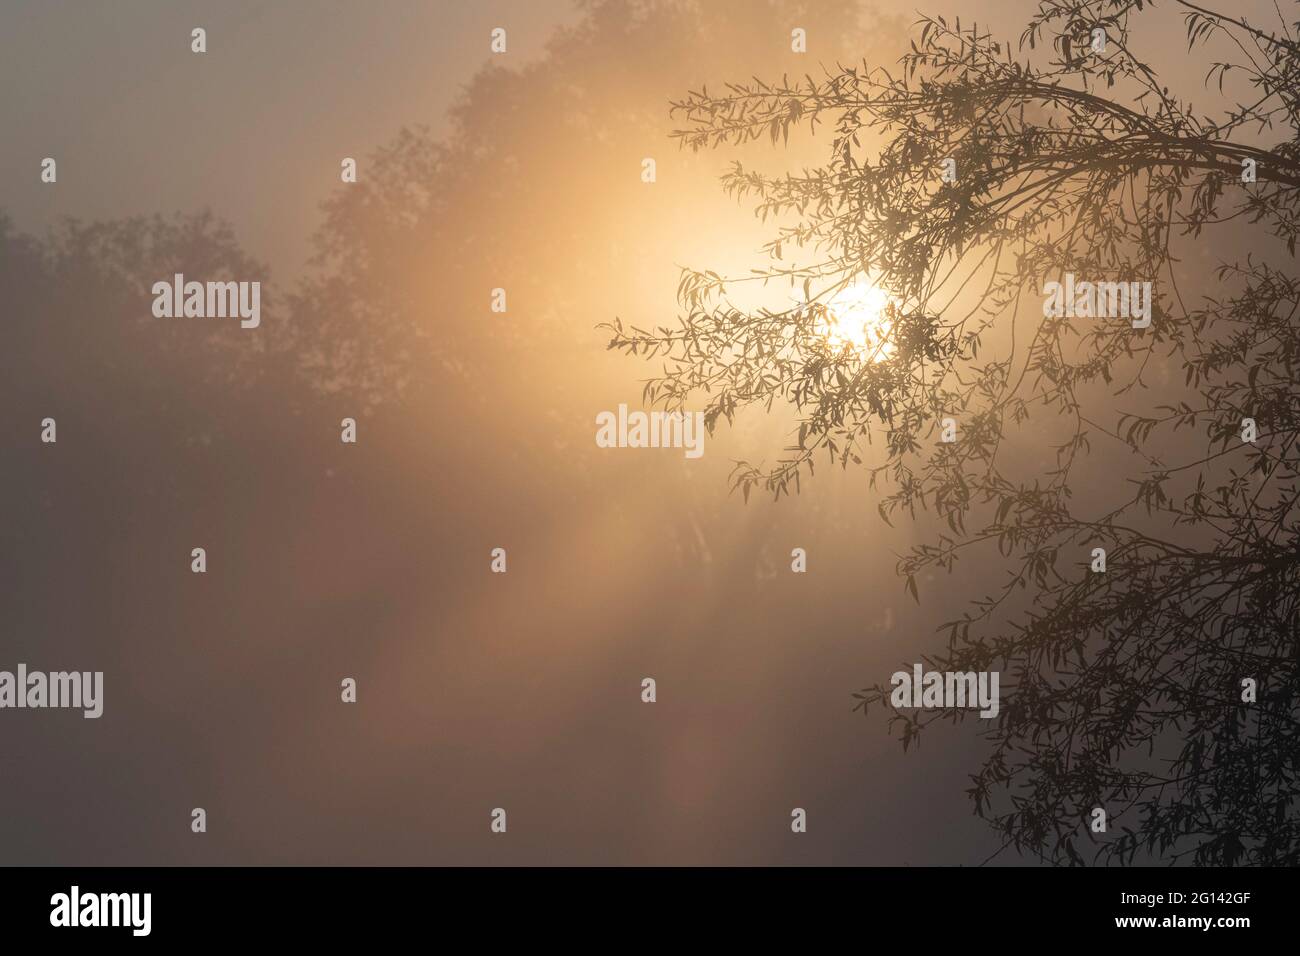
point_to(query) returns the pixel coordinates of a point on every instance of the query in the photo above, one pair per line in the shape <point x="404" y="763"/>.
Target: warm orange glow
<point x="857" y="317"/>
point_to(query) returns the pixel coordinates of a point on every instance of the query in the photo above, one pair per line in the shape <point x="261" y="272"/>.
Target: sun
<point x="857" y="317"/>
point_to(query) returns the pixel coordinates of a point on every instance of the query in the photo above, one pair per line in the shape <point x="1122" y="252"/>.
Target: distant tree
<point x="1121" y="689"/>
<point x="406" y="257"/>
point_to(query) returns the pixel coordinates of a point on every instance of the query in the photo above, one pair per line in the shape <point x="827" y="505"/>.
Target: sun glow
<point x="857" y="317"/>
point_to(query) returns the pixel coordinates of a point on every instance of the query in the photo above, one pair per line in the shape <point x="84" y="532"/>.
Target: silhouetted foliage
<point x="1120" y="689"/>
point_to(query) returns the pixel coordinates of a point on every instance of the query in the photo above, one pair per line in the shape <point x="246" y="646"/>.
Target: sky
<point x="115" y="88"/>
<point x="475" y="690"/>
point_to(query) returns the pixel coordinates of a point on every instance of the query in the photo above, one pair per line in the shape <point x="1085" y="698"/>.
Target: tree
<point x="527" y="187"/>
<point x="998" y="168"/>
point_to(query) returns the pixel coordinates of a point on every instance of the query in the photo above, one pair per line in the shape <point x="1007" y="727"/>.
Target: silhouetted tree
<point x="1122" y="689"/>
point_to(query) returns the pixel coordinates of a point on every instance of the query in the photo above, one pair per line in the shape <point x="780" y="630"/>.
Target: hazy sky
<point x="255" y="128"/>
